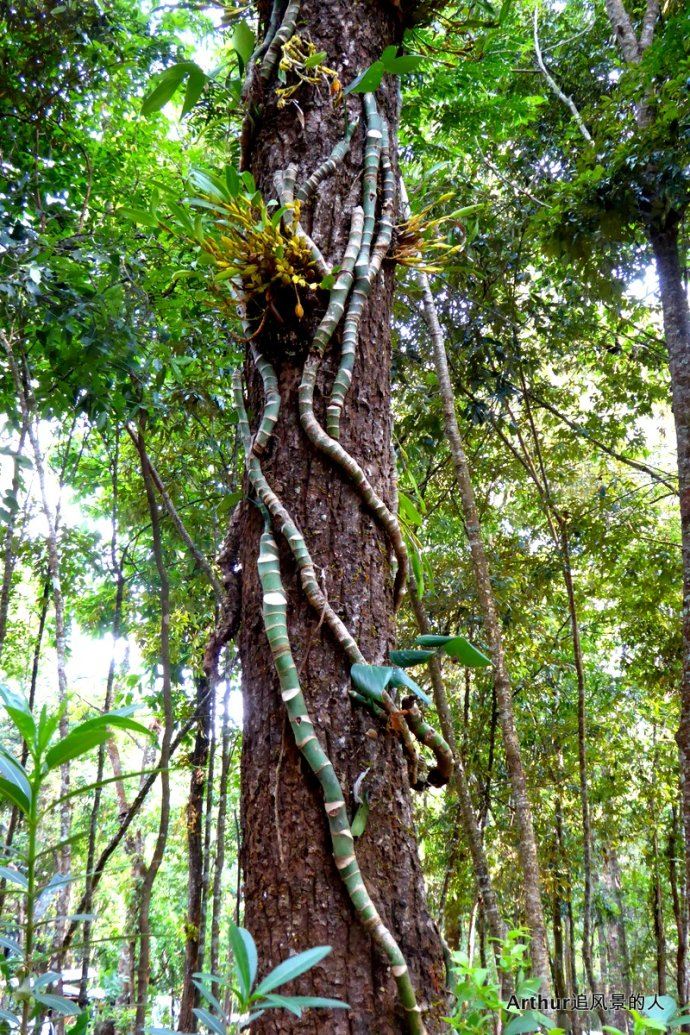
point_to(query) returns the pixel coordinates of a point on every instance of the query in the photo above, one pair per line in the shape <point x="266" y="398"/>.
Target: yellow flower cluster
<point x="419" y="235"/>
<point x="301" y="61"/>
<point x="258" y="250"/>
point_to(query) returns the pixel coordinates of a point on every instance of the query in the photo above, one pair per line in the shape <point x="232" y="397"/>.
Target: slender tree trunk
<point x="527" y="844"/>
<point x="9" y="552"/>
<point x="107" y="705"/>
<point x="208" y="824"/>
<point x="221" y="824"/>
<point x="195" y="857"/>
<point x="674" y="852"/>
<point x="293" y="894"/>
<point x="658" y="916"/>
<point x="582" y="761"/>
<point x="151" y="871"/>
<point x="616" y="935"/>
<point x="674" y="301"/>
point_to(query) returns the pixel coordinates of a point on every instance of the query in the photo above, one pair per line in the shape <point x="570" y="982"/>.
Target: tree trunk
<point x="227" y="747"/>
<point x="294" y="896"/>
<point x="616" y="936"/>
<point x="527" y="844"/>
<point x="678" y="893"/>
<point x="674" y="301"/>
<point x="195" y="856"/>
<point x="151" y="871"/>
<point x="658" y="916"/>
<point x="9" y="549"/>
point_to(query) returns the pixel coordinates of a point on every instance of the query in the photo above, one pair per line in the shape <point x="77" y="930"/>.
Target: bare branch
<point x="553" y="85"/>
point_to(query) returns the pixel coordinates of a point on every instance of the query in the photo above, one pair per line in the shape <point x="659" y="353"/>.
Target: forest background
<point x="547" y="164"/>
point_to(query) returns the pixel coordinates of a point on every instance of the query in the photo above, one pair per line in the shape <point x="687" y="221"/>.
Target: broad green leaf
<point x="430" y="640"/>
<point x="372" y="680"/>
<point x="460" y="648"/>
<point x="208" y="996"/>
<point x="13" y="787"/>
<point x="168" y="83"/>
<point x="58" y="1003"/>
<point x="316" y="59"/>
<point x="243" y="42"/>
<point x="242" y="964"/>
<point x="456" y="647"/>
<point x="18" y="710"/>
<point x="11" y="1018"/>
<point x="520" y="1025"/>
<point x="14" y="876"/>
<point x="367" y="81"/>
<point x="195" y="87"/>
<point x="404" y="64"/>
<point x="401" y="678"/>
<point x="408" y="658"/>
<point x="252" y="955"/>
<point x="78" y="742"/>
<point x="292" y="968"/>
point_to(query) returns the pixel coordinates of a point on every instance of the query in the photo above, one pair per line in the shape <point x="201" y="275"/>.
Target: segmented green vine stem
<point x="337" y="155"/>
<point x="309" y="746"/>
<point x="367" y="268"/>
<point x="282" y="35"/>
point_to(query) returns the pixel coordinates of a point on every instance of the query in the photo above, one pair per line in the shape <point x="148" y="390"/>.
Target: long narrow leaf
<point x="292" y="968"/>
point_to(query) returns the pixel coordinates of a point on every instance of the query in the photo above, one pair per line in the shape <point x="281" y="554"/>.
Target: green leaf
<point x="14" y="785"/>
<point x="168" y="83"/>
<point x="14" y="876"/>
<point x="456" y="647"/>
<point x="367" y="81"/>
<point x="429" y="640"/>
<point x="12" y="946"/>
<point x="252" y="955"/>
<point x="195" y="87"/>
<point x="58" y="1003"/>
<point x="316" y="59"/>
<point x="459" y="647"/>
<point x="139" y="215"/>
<point x="43" y="980"/>
<point x="372" y="680"/>
<point x="242" y="964"/>
<point x="405" y="63"/>
<point x="209" y="1020"/>
<point x="292" y="968"/>
<point x="243" y="43"/>
<point x="359" y="823"/>
<point x="401" y="678"/>
<point x="20" y="713"/>
<point x="305" y="1002"/>
<point x="408" y="658"/>
<point x="408" y="511"/>
<point x="78" y="742"/>
<point x="519" y="1025"/>
<point x="11" y="1018"/>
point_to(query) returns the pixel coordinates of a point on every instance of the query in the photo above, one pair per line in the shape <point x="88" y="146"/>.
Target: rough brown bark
<point x="294" y="898"/>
